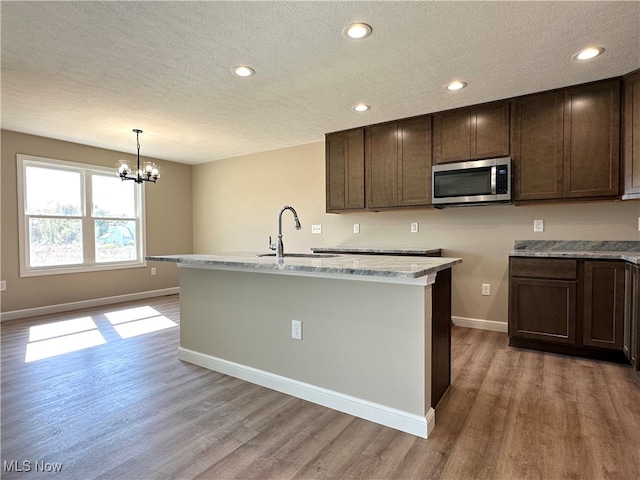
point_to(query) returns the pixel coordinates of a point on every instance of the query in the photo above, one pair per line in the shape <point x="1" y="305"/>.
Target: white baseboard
<point x="480" y="324"/>
<point x="95" y="302"/>
<point x="387" y="416"/>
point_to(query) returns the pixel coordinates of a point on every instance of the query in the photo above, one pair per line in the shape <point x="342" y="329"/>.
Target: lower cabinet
<point x="631" y="343"/>
<point x="570" y="306"/>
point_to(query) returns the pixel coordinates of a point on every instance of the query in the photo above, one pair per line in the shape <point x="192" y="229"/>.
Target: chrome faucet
<point x="279" y="246"/>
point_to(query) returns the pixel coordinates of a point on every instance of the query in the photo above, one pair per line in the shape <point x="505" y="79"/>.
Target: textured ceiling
<point x="90" y="72"/>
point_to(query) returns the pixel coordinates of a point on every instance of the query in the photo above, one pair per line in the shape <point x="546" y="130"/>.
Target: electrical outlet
<point x="316" y="228"/>
<point x="486" y="289"/>
<point x="538" y="225"/>
<point x="356" y="227"/>
<point x="3" y="285"/>
<point x="153" y="270"/>
<point x="414" y="227"/>
<point x="296" y="329"/>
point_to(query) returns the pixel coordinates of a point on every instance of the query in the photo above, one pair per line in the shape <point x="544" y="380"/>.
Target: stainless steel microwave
<point x="471" y="182"/>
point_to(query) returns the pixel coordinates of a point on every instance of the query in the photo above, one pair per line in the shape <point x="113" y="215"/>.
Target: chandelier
<point x="149" y="172"/>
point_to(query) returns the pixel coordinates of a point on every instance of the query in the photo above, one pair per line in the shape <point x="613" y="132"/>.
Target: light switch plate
<point x="316" y="228"/>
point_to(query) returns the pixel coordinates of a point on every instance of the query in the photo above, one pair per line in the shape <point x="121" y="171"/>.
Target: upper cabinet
<point x="592" y="140"/>
<point x="398" y="163"/>
<point x="565" y="143"/>
<point x="344" y="153"/>
<point x="536" y="146"/>
<point x="481" y="131"/>
<point x="631" y="135"/>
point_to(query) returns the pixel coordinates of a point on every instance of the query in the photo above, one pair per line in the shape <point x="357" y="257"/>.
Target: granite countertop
<point x="379" y="251"/>
<point x="628" y="251"/>
<point x="352" y="265"/>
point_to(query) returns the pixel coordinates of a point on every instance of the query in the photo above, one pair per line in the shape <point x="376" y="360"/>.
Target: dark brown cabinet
<point x="481" y="131"/>
<point x="592" y="140"/>
<point x="542" y="300"/>
<point x="631" y="343"/>
<point x="568" y="306"/>
<point x="565" y="143"/>
<point x="604" y="289"/>
<point x="537" y="146"/>
<point x="631" y="135"/>
<point x="398" y="163"/>
<point x="344" y="153"/>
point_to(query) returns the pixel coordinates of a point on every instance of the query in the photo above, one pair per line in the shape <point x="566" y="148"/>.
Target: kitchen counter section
<point x="628" y="251"/>
<point x="417" y="252"/>
<point x="374" y="268"/>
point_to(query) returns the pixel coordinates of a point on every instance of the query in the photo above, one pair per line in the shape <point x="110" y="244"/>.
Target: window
<point x="76" y="218"/>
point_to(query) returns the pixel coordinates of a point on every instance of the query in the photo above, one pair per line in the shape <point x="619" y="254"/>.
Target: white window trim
<point x="89" y="253"/>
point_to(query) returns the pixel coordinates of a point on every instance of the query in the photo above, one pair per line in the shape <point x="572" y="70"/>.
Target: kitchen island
<point x="375" y="331"/>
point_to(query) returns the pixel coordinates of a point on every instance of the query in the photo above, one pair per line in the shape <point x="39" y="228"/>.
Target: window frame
<point x="86" y="217"/>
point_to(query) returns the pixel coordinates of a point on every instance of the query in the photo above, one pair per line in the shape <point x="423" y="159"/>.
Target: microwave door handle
<point x="494" y="170"/>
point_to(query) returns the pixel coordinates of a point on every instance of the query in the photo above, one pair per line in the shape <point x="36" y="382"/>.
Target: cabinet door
<point x="414" y="161"/>
<point x="543" y="310"/>
<point x="452" y="136"/>
<point x="628" y="311"/>
<point x="603" y="304"/>
<point x="537" y="142"/>
<point x="631" y="132"/>
<point x="490" y="130"/>
<point x="592" y="140"/>
<point x="634" y="344"/>
<point x="344" y="153"/>
<point x="381" y="157"/>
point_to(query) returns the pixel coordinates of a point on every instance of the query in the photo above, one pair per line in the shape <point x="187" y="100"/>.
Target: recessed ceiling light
<point x="361" y="107"/>
<point x="455" y="85"/>
<point x="243" y="71"/>
<point x="588" y="53"/>
<point x="357" y="30"/>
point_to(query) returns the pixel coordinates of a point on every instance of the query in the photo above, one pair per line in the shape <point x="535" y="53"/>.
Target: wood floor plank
<point x="130" y="410"/>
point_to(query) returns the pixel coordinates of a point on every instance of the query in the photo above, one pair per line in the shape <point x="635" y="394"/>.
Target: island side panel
<point x="441" y="336"/>
<point x="364" y="339"/>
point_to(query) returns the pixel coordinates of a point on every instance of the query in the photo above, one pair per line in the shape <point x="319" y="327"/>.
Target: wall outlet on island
<point x="356" y="227"/>
<point x="486" y="289"/>
<point x="414" y="227"/>
<point x="3" y="285"/>
<point x="296" y="329"/>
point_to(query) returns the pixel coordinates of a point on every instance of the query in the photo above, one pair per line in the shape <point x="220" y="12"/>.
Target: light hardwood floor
<point x="129" y="409"/>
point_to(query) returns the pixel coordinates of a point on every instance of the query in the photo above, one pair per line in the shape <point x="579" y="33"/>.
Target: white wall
<point x="236" y="204"/>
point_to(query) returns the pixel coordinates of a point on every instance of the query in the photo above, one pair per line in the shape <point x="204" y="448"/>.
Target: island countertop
<point x="379" y="266"/>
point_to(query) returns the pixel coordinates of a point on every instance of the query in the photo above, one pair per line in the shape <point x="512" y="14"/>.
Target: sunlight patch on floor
<point x="140" y="327"/>
<point x="58" y="329"/>
<point x="57" y="338"/>
<point x="130" y="314"/>
<point x="53" y="347"/>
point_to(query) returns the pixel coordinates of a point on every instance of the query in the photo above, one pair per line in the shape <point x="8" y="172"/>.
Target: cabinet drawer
<point x="561" y="269"/>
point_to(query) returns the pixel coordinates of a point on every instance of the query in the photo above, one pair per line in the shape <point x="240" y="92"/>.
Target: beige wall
<point x="169" y="229"/>
<point x="236" y="203"/>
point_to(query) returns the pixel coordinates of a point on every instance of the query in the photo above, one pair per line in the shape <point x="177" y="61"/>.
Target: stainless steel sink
<point x="300" y="255"/>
